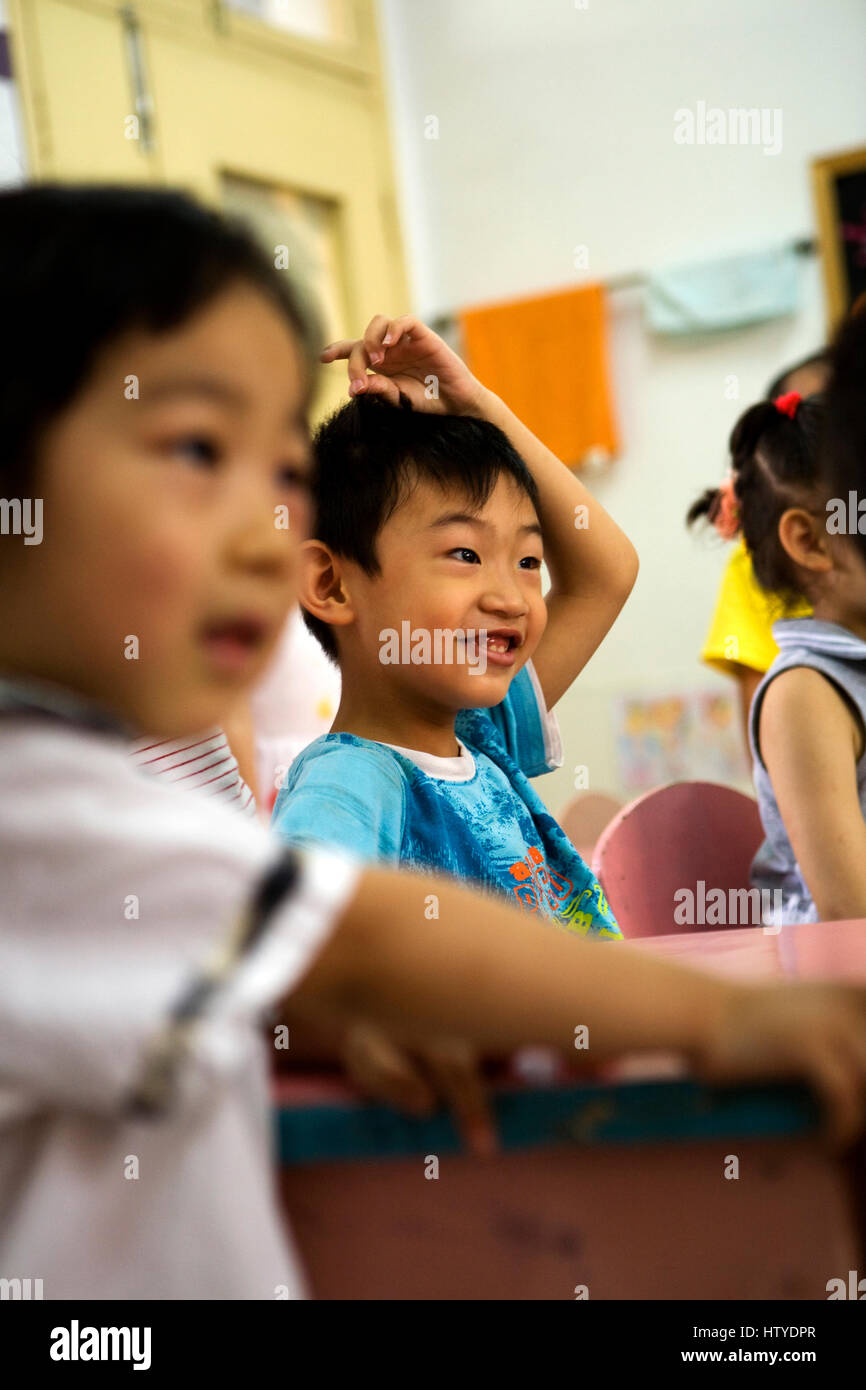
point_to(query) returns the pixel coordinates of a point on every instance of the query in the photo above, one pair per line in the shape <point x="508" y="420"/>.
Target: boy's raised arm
<point x="592" y="563"/>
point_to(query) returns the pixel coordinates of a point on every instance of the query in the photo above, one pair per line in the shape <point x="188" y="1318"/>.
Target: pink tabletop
<point x="810" y="950"/>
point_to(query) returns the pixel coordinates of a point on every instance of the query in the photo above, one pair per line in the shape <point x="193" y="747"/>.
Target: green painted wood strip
<point x="626" y="1113"/>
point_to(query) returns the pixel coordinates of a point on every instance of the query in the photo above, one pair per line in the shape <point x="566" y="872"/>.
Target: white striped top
<point x="206" y="763"/>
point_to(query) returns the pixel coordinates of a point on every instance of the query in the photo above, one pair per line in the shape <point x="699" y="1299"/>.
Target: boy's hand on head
<point x="417" y="1081"/>
<point x="405" y="356"/>
<point x="814" y="1031"/>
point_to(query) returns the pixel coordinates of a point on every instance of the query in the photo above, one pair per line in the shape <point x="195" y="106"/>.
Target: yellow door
<point x="288" y="128"/>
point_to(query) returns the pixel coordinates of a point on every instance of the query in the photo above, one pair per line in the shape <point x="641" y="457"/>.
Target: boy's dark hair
<point x="845" y="430"/>
<point x="82" y="264"/>
<point x="776" y="462"/>
<point x="369" y="455"/>
<point x="779" y="386"/>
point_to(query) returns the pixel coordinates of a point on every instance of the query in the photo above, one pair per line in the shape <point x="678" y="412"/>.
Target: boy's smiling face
<point x="171" y="521"/>
<point x="444" y="566"/>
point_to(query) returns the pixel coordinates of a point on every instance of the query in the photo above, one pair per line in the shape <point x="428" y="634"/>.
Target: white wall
<point x="556" y="129"/>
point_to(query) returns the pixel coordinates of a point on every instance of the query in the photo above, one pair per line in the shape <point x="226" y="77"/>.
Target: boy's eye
<point x="463" y="551"/>
<point x="530" y="562"/>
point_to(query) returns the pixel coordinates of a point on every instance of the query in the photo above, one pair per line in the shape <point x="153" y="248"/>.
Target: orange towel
<point x="546" y="358"/>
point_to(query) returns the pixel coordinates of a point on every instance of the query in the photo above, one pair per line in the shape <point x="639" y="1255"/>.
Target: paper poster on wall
<point x="677" y="737"/>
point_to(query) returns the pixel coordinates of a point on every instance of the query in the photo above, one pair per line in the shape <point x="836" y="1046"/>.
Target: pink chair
<point x="585" y="816"/>
<point x="677" y="837"/>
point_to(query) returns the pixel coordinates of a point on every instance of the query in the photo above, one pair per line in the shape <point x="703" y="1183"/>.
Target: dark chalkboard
<point x="839" y="183"/>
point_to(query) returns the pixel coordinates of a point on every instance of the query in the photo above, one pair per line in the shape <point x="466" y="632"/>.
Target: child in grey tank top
<point x="807" y="723"/>
<point x="840" y="656"/>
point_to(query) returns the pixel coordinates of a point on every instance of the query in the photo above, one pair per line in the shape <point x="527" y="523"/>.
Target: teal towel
<point x="706" y="297"/>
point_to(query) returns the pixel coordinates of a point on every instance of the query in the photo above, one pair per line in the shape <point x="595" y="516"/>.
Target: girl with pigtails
<point x="807" y="722"/>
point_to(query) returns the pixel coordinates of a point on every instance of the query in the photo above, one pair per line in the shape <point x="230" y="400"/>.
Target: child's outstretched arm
<point x="810" y="743"/>
<point x="592" y="563"/>
<point x="511" y="980"/>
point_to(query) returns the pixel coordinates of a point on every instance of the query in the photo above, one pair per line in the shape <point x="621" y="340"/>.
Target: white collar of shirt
<point x="457" y="769"/>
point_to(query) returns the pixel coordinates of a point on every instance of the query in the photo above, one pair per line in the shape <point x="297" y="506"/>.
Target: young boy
<point x="146" y="932"/>
<point x="429" y="522"/>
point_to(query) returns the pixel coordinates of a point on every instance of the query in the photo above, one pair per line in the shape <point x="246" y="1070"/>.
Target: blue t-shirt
<point x="475" y="816"/>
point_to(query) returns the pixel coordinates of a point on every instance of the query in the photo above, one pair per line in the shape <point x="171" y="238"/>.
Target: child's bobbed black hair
<point x="82" y="264"/>
<point x="368" y="456"/>
<point x="776" y="464"/>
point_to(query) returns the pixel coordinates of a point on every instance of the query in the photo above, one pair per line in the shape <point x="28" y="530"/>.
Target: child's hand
<point x="406" y="356"/>
<point x="445" y="1070"/>
<point x="817" y="1031"/>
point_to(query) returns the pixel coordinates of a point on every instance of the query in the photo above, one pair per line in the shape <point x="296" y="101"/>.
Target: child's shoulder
<point x="340" y="765"/>
<point x="345" y="751"/>
<point x="805" y="715"/>
<point x="347" y="791"/>
<point x="46" y="759"/>
<point x="807" y="701"/>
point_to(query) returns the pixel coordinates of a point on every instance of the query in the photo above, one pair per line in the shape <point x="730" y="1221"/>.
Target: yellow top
<point x="740" y="632"/>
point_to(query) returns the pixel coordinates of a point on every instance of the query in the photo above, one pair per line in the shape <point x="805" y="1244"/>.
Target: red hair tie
<point x="788" y="403"/>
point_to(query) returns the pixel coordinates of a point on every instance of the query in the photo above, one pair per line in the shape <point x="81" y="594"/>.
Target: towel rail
<point x="445" y="322"/>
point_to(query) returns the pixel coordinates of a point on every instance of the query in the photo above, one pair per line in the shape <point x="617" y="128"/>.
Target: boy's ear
<point x="322" y="589"/>
<point x="804" y="537"/>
